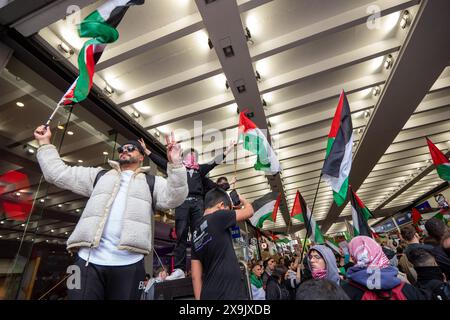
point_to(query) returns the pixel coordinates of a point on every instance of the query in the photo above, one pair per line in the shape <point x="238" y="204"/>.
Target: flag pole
<point x="308" y="220"/>
<point x="59" y="105"/>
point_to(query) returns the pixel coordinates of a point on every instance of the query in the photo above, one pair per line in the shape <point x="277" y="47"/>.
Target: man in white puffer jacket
<point x="114" y="231"/>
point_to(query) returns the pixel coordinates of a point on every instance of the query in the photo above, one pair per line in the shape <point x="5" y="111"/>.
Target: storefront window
<point x="36" y="218"/>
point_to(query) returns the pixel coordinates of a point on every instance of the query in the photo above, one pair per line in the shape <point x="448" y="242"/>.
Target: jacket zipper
<point x="106" y="213"/>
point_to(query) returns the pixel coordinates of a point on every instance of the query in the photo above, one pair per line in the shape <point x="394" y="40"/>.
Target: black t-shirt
<point x="213" y="247"/>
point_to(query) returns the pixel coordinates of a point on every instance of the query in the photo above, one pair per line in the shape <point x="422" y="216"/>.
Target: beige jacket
<point x="136" y="230"/>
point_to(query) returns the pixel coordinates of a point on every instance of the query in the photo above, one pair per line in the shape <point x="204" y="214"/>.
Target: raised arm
<point x="207" y="167"/>
<point x="246" y="212"/>
<point x="77" y="179"/>
<point x="172" y="192"/>
<point x="158" y="160"/>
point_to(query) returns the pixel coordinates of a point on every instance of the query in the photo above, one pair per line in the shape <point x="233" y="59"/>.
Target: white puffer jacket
<point x="136" y="229"/>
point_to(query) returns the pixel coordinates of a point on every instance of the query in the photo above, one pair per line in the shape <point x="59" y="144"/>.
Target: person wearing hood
<point x="322" y="263"/>
<point x="293" y="277"/>
<point x="372" y="278"/>
<point x="258" y="292"/>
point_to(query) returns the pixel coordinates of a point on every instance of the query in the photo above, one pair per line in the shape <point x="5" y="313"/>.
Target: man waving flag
<point x="338" y="159"/>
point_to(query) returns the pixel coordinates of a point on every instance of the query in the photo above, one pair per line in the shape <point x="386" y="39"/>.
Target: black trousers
<point x="108" y="282"/>
<point x="186" y="216"/>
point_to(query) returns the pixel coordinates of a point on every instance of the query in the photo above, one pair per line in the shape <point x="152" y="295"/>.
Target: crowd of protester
<point x="414" y="267"/>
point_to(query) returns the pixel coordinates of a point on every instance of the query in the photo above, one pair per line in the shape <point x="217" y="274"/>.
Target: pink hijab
<point x="367" y="253"/>
<point x="190" y="161"/>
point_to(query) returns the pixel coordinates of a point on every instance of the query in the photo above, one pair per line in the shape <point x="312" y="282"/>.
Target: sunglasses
<point x="128" y="148"/>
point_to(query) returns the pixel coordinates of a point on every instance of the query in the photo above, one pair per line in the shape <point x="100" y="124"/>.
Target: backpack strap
<point x="150" y="181"/>
<point x="100" y="174"/>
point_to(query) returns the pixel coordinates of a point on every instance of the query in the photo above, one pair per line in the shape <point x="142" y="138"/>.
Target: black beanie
<point x="136" y="144"/>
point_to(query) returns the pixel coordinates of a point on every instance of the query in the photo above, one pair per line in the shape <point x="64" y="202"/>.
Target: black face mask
<point x="225" y="186"/>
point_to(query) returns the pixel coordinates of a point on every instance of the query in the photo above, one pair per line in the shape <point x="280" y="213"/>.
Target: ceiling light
<point x="30" y="150"/>
<point x="77" y="210"/>
<point x="64" y="47"/>
<point x="388" y="62"/>
<point x="405" y="20"/>
<point x="66" y="233"/>
<point x="18" y="194"/>
<point x="70" y="133"/>
<point x="60" y="205"/>
<point x="258" y="76"/>
<point x="1" y="236"/>
<point x="80" y="161"/>
<point x="248" y="35"/>
<point x="376" y="91"/>
<point x="42" y="201"/>
<point x="18" y="238"/>
<point x="20" y="104"/>
<point x="2" y="222"/>
<point x="22" y="225"/>
<point x="203" y="39"/>
<point x="105" y="153"/>
<point x="60" y="127"/>
<point x="52" y="230"/>
<point x="46" y="240"/>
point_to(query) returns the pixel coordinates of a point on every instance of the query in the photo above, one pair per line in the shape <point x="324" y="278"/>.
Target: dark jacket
<point x="198" y="183"/>
<point x="356" y="285"/>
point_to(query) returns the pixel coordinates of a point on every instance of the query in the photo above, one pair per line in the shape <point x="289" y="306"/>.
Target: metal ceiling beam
<point x="410" y="80"/>
<point x="224" y="25"/>
<point x="163" y="36"/>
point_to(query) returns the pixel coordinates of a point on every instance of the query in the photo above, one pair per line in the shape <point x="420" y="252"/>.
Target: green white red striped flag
<point x="263" y="209"/>
<point x="301" y="212"/>
<point x="338" y="159"/>
<point x="360" y="215"/>
<point x="255" y="141"/>
<point x="440" y="161"/>
<point x="100" y="26"/>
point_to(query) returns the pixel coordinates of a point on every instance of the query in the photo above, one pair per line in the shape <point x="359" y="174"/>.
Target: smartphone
<point x="235" y="198"/>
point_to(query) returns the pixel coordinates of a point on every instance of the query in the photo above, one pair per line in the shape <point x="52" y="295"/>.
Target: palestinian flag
<point x="264" y="208"/>
<point x="279" y="237"/>
<point x="301" y="212"/>
<point x="360" y="214"/>
<point x="441" y="217"/>
<point x="100" y="25"/>
<point x="256" y="142"/>
<point x="332" y="244"/>
<point x="275" y="208"/>
<point x="415" y="216"/>
<point x="338" y="159"/>
<point x="440" y="161"/>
